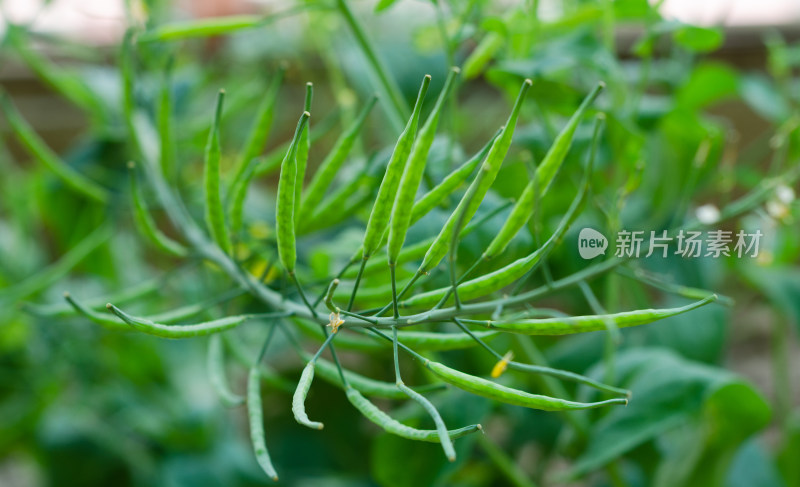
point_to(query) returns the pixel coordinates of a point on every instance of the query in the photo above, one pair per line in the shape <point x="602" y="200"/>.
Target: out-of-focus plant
<point x="321" y="265"/>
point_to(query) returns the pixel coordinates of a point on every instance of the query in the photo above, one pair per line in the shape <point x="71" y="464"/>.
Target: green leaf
<point x="668" y="392"/>
<point x="384" y="4"/>
<point x="698" y="39"/>
<point x="708" y="84"/>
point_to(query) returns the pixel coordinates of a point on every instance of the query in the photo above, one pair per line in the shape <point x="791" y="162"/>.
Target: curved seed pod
<point x="178" y="331"/>
<point x="45" y="156"/>
<point x="215" y="216"/>
<point x="303" y="148"/>
<point x="284" y="207"/>
<point x="324" y="175"/>
<point x="391" y="425"/>
<point x="177" y="314"/>
<point x="441" y="429"/>
<point x="540" y="183"/>
<point x="581" y="324"/>
<point x="92" y="315"/>
<point x="381" y="210"/>
<point x="145" y="223"/>
<point x="166" y="134"/>
<point x="216" y="373"/>
<point x="508" y="395"/>
<point x="299" y="398"/>
<point x="450" y="183"/>
<point x="256" y="416"/>
<point x="124" y="295"/>
<point x="482" y="182"/>
<point x="412" y="174"/>
<point x="365" y="385"/>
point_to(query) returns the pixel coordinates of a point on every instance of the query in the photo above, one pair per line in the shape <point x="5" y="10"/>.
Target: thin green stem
<point x="355" y="285"/>
<point x="293" y="277"/>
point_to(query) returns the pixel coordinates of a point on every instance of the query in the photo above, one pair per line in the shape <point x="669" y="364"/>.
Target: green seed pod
<point x="215" y="215"/>
<point x="45" y="156"/>
<point x="449" y="184"/>
<point x="365" y="385"/>
<point x="259" y="128"/>
<point x="299" y="398"/>
<point x="166" y="134"/>
<point x="482" y="182"/>
<point x="284" y="207"/>
<point x="500" y="278"/>
<point x="216" y="373"/>
<point x="581" y="324"/>
<point x="412" y="175"/>
<point x="545" y="173"/>
<point x="145" y="223"/>
<point x="303" y="149"/>
<point x="381" y="210"/>
<point x="256" y="138"/>
<point x="178" y="331"/>
<point x="333" y="162"/>
<point x="391" y="425"/>
<point x="508" y="395"/>
<point x="52" y="273"/>
<point x="255" y="414"/>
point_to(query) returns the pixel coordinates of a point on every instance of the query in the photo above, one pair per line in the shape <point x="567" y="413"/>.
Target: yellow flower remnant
<point x="335" y="321"/>
<point x="501" y="366"/>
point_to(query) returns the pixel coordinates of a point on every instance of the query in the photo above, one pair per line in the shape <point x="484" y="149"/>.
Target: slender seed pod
<point x="259" y="128"/>
<point x="365" y="385"/>
<point x="239" y="195"/>
<point x="67" y="83"/>
<point x="418" y="340"/>
<point x="284" y="207"/>
<point x="216" y="373"/>
<point x="500" y="278"/>
<point x="255" y="414"/>
<point x="145" y="223"/>
<point x="482" y="182"/>
<point x="539" y="184"/>
<point x="215" y="215"/>
<point x="299" y="398"/>
<point x="178" y="331"/>
<point x="326" y="172"/>
<point x="166" y="134"/>
<point x="381" y="210"/>
<point x="124" y="295"/>
<point x="547" y="170"/>
<point x="441" y="429"/>
<point x="303" y="149"/>
<point x="247" y="163"/>
<point x="391" y="425"/>
<point x="57" y="270"/>
<point x="449" y="184"/>
<point x="103" y="320"/>
<point x="581" y="324"/>
<point x="508" y="395"/>
<point x="412" y="175"/>
<point x="37" y="148"/>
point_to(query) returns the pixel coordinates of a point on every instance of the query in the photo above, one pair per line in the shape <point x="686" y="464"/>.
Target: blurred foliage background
<point x="696" y="118"/>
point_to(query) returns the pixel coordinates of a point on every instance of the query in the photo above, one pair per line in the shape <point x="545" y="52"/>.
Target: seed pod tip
<point x="131" y="164"/>
<point x="601" y="84"/>
<point x="455" y="69"/>
<point x="109" y="305"/>
<point x="528" y="82"/>
<point x="427" y="77"/>
<point x="306" y="114"/>
<point x="66" y="294"/>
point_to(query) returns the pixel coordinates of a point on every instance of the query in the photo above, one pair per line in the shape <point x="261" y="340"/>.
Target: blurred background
<point x="83" y="406"/>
